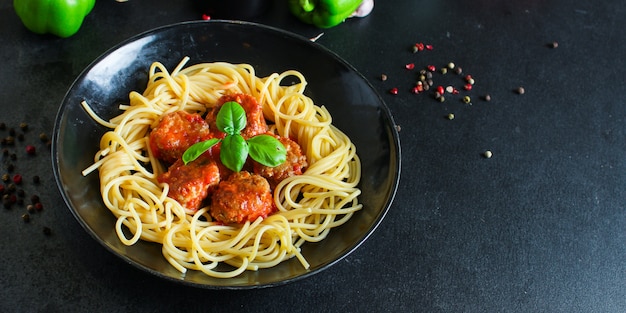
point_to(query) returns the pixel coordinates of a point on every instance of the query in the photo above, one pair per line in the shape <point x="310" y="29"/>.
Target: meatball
<point x="295" y="163"/>
<point x="190" y="184"/>
<point x="243" y="197"/>
<point x="256" y="124"/>
<point x="176" y="132"/>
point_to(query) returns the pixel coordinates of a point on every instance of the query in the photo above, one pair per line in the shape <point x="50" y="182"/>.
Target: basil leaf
<point x="231" y="118"/>
<point x="267" y="150"/>
<point x="198" y="149"/>
<point x="234" y="152"/>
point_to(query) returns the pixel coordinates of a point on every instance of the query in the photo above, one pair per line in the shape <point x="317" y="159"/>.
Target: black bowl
<point x="356" y="108"/>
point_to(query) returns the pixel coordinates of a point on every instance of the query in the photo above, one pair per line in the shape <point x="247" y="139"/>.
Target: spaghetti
<point x="309" y="205"/>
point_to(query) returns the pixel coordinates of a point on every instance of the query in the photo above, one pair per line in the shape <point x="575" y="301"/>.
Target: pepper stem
<point x="307" y="5"/>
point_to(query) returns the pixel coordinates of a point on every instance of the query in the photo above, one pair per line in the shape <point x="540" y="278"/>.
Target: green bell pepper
<point x="62" y="18"/>
<point x="323" y="13"/>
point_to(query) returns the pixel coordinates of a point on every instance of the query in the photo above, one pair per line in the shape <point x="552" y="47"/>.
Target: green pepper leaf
<point x="198" y="149"/>
<point x="234" y="152"/>
<point x="267" y="150"/>
<point x="231" y="118"/>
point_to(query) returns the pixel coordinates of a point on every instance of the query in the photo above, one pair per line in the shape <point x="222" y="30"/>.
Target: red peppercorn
<point x="30" y="149"/>
<point x="393" y="91"/>
<point x="415" y="90"/>
<point x="206" y="17"/>
<point x="468" y="86"/>
<point x="410" y="66"/>
<point x="429" y="47"/>
<point x="17" y="179"/>
<point x="431" y="68"/>
<point x="455" y="91"/>
<point x="440" y="90"/>
<point x="38" y="206"/>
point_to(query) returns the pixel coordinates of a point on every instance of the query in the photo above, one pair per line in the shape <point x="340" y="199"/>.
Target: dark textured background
<point x="539" y="227"/>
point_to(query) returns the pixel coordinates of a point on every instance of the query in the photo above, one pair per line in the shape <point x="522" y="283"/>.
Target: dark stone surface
<point x="538" y="227"/>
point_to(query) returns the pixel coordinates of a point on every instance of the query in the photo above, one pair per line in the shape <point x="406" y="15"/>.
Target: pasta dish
<point x="140" y="171"/>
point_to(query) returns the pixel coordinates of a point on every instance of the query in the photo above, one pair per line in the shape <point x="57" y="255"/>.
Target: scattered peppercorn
<point x="17" y="179"/>
<point x="34" y="199"/>
<point x="554" y="45"/>
<point x="47" y="231"/>
<point x="30" y="208"/>
<point x="6" y="202"/>
<point x="26" y="218"/>
<point x="451" y="65"/>
<point x="6" y="177"/>
<point x="467" y="99"/>
<point x="458" y="70"/>
<point x="383" y="77"/>
<point x="11" y="131"/>
<point x="31" y="150"/>
<point x="36" y="179"/>
<point x="450" y="116"/>
<point x="410" y="66"/>
<point x="23" y="126"/>
<point x="393" y="91"/>
<point x="20" y="137"/>
<point x="487" y="97"/>
<point x="488" y="154"/>
<point x="9" y="140"/>
<point x="3" y="126"/>
<point x="520" y="90"/>
<point x="43" y="137"/>
<point x="38" y="206"/>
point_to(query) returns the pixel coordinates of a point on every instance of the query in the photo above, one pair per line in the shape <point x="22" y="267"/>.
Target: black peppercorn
<point x="6" y="202"/>
<point x="47" y="231"/>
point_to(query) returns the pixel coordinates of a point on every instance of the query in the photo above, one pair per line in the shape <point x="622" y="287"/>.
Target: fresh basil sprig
<point x="231" y="120"/>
